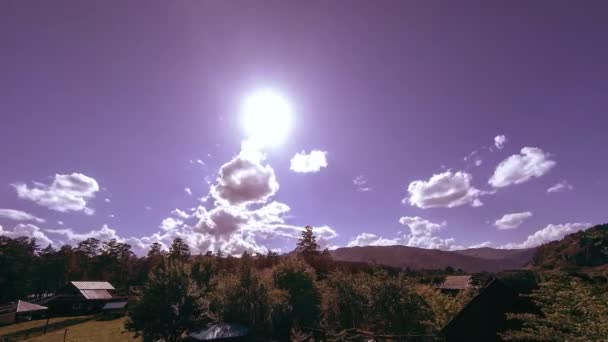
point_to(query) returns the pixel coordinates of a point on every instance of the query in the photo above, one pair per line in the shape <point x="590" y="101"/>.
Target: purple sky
<point x="118" y="100"/>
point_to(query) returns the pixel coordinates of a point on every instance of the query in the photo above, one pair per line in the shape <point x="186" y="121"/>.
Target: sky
<point x="436" y="125"/>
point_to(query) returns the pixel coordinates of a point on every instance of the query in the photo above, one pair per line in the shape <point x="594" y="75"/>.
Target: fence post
<point x="47" y="324"/>
<point x="65" y="334"/>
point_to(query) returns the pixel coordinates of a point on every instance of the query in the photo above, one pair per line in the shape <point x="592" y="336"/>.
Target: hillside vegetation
<point x="583" y="249"/>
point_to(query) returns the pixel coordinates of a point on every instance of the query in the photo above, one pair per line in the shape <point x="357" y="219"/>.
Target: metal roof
<point x="96" y="294"/>
<point x="25" y="307"/>
<point x="220" y="331"/>
<point x="456" y="282"/>
<point x="93" y="285"/>
<point x="114" y="305"/>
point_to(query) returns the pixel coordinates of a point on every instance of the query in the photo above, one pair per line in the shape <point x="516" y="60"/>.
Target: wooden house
<point x="81" y="297"/>
<point x="20" y="312"/>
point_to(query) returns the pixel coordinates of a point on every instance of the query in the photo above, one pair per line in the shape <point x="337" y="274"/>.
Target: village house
<point x="81" y="297"/>
<point x="20" y="312"/>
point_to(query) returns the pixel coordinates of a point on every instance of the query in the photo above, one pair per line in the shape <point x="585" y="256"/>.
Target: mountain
<point x="584" y="249"/>
<point x="469" y="260"/>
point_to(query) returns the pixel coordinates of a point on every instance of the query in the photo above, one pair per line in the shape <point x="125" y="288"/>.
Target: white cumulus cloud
<point x="447" y="190"/>
<point x="245" y="180"/>
<point x="18" y="215"/>
<point x="29" y="231"/>
<point x="65" y="193"/>
<point x="500" y="141"/>
<point x="550" y="233"/>
<point x="519" y="168"/>
<point x="512" y="221"/>
<point x="311" y="162"/>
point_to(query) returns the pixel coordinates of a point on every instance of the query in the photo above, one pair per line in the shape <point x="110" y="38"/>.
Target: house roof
<point x="26" y="307"/>
<point x="93" y="285"/>
<point x="96" y="294"/>
<point x="114" y="305"/>
<point x="456" y="282"/>
<point x="220" y="331"/>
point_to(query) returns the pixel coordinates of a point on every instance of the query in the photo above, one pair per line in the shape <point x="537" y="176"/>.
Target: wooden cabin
<point x="455" y="284"/>
<point x="81" y="297"/>
<point x="20" y="312"/>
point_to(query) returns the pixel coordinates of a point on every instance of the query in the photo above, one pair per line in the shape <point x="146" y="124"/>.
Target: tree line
<point x="300" y="296"/>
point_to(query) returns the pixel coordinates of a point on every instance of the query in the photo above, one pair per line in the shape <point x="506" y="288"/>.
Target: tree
<point x="17" y="258"/>
<point x="298" y="280"/>
<point x="179" y="250"/>
<point x="171" y="303"/>
<point x="243" y="297"/>
<point x="571" y="310"/>
<point x="307" y="244"/>
<point x="443" y="306"/>
<point x="345" y="301"/>
<point x="394" y="306"/>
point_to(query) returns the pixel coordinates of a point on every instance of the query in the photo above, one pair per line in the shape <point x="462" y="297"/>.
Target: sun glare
<point x="266" y="118"/>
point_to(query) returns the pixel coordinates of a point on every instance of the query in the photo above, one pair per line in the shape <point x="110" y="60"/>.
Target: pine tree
<point x="307" y="244"/>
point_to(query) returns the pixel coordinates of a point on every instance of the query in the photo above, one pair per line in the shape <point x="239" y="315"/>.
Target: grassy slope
<point x="92" y="330"/>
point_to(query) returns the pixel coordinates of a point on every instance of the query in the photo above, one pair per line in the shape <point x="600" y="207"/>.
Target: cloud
<point x="422" y="234"/>
<point x="500" y="141"/>
<point x="370" y="239"/>
<point x="29" y="231"/>
<point x="312" y="162"/>
<point x="18" y="215"/>
<point x="107" y="200"/>
<point x="419" y="226"/>
<point x="519" y="168"/>
<point x="474" y="156"/>
<point x="562" y="186"/>
<point x="148" y="208"/>
<point x="244" y="180"/>
<point x="512" y="221"/>
<point x="482" y="244"/>
<point x="360" y="183"/>
<point x="66" y="193"/>
<point x="104" y="234"/>
<point x="446" y="190"/>
<point x="170" y="223"/>
<point x="188" y="191"/>
<point x="181" y="214"/>
<point x="551" y="232"/>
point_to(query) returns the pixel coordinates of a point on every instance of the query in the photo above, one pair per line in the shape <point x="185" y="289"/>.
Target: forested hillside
<point x="583" y="249"/>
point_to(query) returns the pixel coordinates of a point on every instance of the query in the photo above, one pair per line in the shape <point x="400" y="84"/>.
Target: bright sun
<point x="266" y="118"/>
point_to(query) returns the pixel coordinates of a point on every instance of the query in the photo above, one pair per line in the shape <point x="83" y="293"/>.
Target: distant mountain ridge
<point x="469" y="260"/>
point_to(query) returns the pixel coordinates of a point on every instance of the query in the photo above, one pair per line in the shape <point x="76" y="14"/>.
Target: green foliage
<point x="587" y="248"/>
<point x="395" y="307"/>
<point x="171" y="304"/>
<point x="242" y="297"/>
<point x="297" y="279"/>
<point x="345" y="301"/>
<point x="307" y="245"/>
<point x="443" y="306"/>
<point x="571" y="310"/>
<point x="179" y="250"/>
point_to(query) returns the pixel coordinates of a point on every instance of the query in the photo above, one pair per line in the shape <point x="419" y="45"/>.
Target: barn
<point x="81" y="297"/>
<point x="21" y="311"/>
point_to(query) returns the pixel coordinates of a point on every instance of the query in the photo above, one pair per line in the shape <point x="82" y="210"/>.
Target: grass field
<point x="83" y="328"/>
